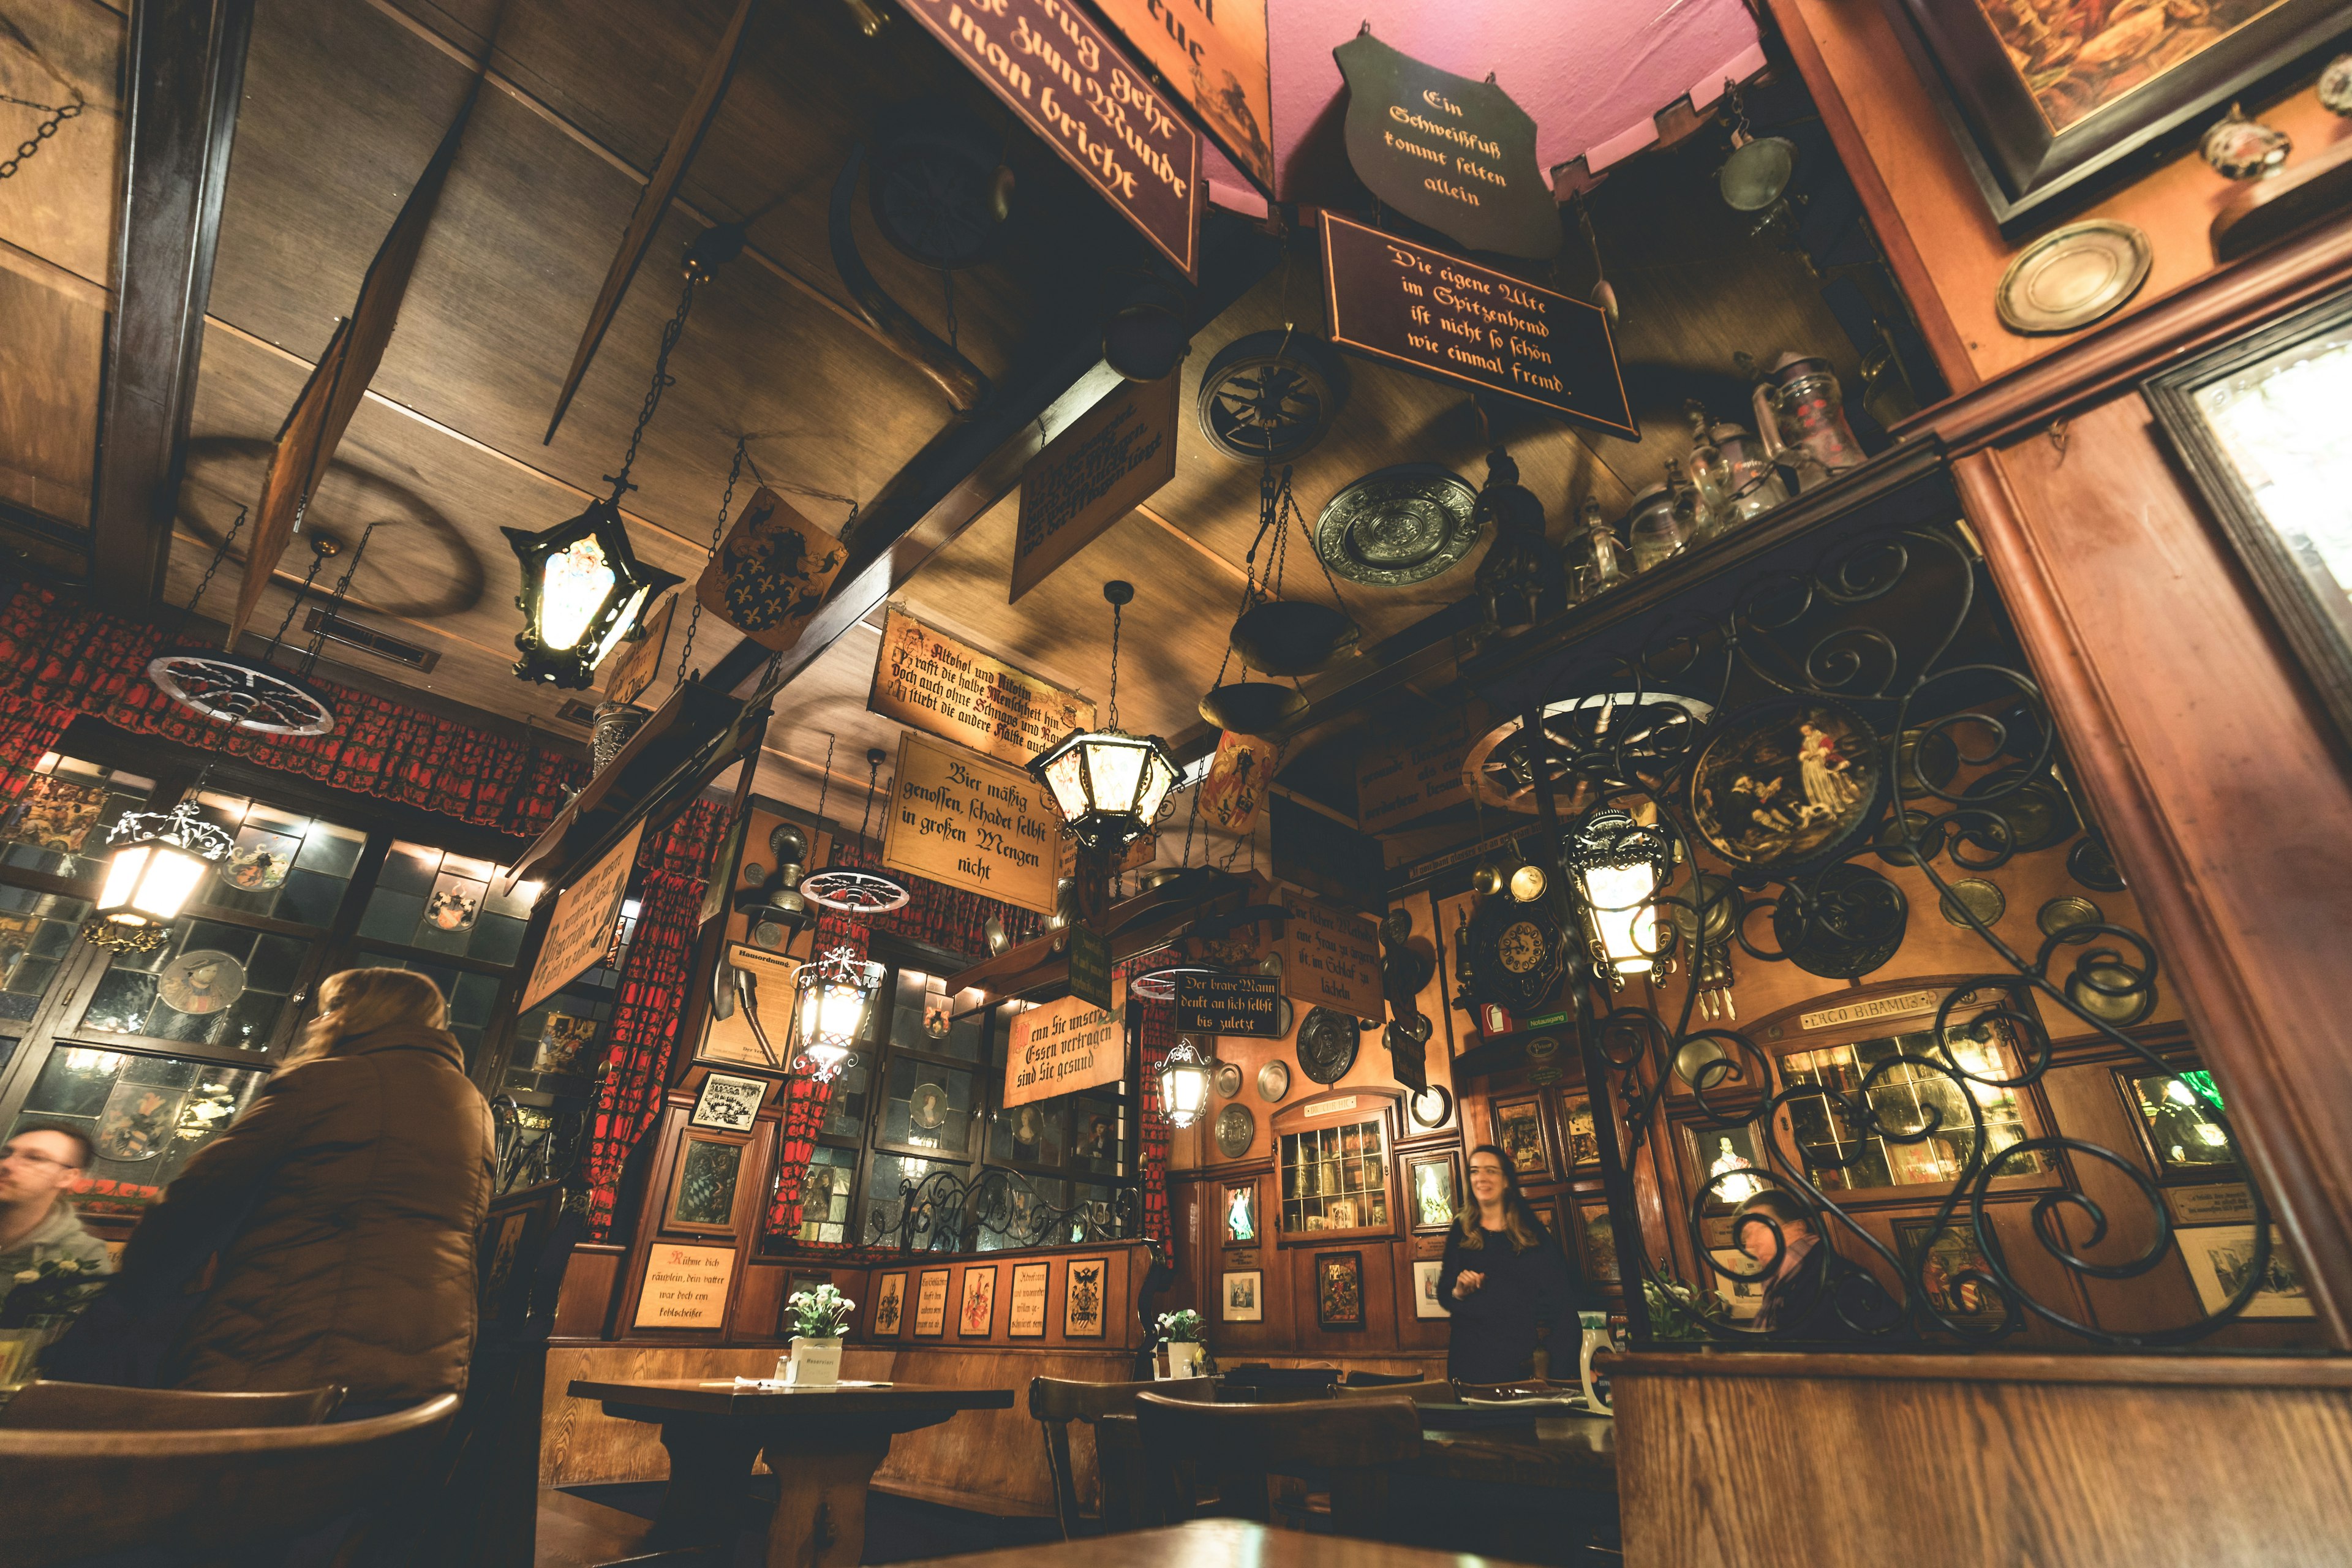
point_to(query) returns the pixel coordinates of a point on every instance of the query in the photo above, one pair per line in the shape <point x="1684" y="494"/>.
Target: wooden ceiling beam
<point x="186" y="71"/>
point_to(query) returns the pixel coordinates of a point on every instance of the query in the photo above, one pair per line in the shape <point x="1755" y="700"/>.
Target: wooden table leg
<point x="820" y="1518"/>
<point x="709" y="1469"/>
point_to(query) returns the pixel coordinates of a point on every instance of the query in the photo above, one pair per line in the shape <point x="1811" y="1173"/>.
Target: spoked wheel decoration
<point x="851" y="889"/>
<point x="243" y="693"/>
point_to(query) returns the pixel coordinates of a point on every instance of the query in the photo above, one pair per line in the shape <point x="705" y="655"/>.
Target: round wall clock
<point x="1327" y="1044"/>
<point x="1788" y="786"/>
<point x="1515" y="956"/>
<point x="1848" y="924"/>
<point x="1236" y="1130"/>
<point x="1433" y="1106"/>
<point x="1272" y="1081"/>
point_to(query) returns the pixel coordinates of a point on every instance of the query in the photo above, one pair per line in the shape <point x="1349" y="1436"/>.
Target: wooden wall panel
<point x="992" y="1460"/>
<point x="584" y="1304"/>
<point x="51" y="358"/>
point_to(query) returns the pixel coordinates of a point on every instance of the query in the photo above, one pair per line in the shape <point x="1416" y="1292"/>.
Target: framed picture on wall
<point x="702" y="1187"/>
<point x="1433" y="1186"/>
<point x="1579" y="1144"/>
<point x="1935" y="1263"/>
<point x="2222" y="1260"/>
<point x="1030" y="1284"/>
<point x="2257" y="422"/>
<point x="1596" y="1238"/>
<point x="2047" y="100"/>
<point x="1426" y="1302"/>
<point x="1242" y="1295"/>
<point x="513" y="1235"/>
<point x="1340" y="1289"/>
<point x="2179" y="1120"/>
<point x="1241" y="1214"/>
<point x="890" y="1303"/>
<point x="1085" y="1308"/>
<point x="1520" y="1133"/>
<point x="932" y="1303"/>
<point x="976" y="1316"/>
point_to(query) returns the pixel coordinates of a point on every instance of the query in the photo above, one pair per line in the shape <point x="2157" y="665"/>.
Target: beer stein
<point x="1801" y="417"/>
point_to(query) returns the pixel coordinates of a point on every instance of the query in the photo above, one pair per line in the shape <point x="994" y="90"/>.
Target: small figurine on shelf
<point x="1596" y="556"/>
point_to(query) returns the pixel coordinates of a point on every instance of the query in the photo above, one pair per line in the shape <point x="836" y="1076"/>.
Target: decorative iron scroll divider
<point x="1894" y="627"/>
<point x="944" y="1210"/>
<point x="540" y="1158"/>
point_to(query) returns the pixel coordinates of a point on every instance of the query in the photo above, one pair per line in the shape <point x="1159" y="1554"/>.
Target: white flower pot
<point x="815" y="1363"/>
<point x="1186" y="1358"/>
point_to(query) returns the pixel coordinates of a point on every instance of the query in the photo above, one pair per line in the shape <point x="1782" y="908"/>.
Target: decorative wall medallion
<point x="260" y="860"/>
<point x="927" y="1107"/>
<point x="455" y="904"/>
<point x="201" y="983"/>
<point x="1795" y="785"/>
<point x="1327" y="1044"/>
<point x="2063" y="914"/>
<point x="138" y="1121"/>
<point x="2032" y="806"/>
<point x="1398" y="525"/>
<point x="1229" y="1079"/>
<point x="1977" y="895"/>
<point x="1272" y="1081"/>
<point x="1841" y="927"/>
<point x="1236" y="1130"/>
<point x="1432" y="1106"/>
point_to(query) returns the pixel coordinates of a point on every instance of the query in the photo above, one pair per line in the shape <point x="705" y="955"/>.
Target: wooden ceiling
<point x="343" y="102"/>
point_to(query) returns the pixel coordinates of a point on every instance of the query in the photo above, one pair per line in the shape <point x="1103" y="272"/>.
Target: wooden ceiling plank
<point x="653" y="204"/>
<point x="185" y="69"/>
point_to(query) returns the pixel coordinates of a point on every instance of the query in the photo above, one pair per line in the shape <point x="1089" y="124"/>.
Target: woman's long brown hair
<point x="1520" y="1222"/>
<point x="360" y="1001"/>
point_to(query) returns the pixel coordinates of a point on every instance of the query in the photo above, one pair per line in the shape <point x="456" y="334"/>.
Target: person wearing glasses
<point x="1503" y="1275"/>
<point x="37" y="1223"/>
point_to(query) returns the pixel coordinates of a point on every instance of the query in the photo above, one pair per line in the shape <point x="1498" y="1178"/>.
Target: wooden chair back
<point x="1345" y="1444"/>
<point x="100" y="1408"/>
<point x="219" y="1494"/>
<point x="1057" y="1402"/>
<point x="1430" y="1391"/>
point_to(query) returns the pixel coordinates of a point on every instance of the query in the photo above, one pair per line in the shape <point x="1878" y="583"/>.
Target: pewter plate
<point x="1399" y="525"/>
<point x="1272" y="1081"/>
<point x="2073" y="276"/>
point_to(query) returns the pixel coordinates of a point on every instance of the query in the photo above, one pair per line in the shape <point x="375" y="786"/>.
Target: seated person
<point x="1809" y="1280"/>
<point x="37" y="1223"/>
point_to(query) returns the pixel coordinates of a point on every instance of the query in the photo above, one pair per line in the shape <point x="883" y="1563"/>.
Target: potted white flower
<point x="1187" y="1355"/>
<point x="817" y="1318"/>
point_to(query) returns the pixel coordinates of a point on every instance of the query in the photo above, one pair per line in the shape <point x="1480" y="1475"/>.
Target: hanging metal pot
<point x="1290" y="636"/>
<point x="1252" y="706"/>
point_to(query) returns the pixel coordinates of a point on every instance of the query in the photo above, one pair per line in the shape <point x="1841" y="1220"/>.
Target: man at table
<point x="1503" y="1275"/>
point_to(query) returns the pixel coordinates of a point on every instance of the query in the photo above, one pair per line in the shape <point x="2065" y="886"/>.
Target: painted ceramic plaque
<point x="1792" y="785"/>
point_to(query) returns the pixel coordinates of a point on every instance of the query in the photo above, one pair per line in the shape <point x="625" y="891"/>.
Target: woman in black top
<point x="1503" y="1274"/>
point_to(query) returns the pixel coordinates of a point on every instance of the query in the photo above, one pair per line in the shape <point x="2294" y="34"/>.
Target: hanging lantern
<point x="1109" y="786"/>
<point x="584" y="590"/>
<point x="1184" y="1080"/>
<point x="159" y="858"/>
<point x="830" y="1019"/>
<point x="1619" y="865"/>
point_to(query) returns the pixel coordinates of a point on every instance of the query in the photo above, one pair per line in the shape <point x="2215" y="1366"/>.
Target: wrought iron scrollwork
<point x="946" y="1211"/>
<point x="1895" y="627"/>
<point x="534" y="1146"/>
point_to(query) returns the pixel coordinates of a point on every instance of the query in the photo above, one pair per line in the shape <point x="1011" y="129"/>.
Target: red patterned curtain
<point x="675" y="866"/>
<point x="938" y="914"/>
<point x="29" y="731"/>
<point x="57" y="656"/>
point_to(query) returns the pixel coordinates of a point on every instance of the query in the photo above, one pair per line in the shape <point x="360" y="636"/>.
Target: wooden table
<point x="823" y="1445"/>
<point x="1583" y="1458"/>
<point x="1217" y="1543"/>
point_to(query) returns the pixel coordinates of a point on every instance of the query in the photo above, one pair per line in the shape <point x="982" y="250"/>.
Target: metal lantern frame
<point x="1186" y="1060"/>
<point x="618" y="615"/>
<point x="1613" y="839"/>
<point x="822" y="1035"/>
<point x="1082" y="772"/>
<point x="160" y="857"/>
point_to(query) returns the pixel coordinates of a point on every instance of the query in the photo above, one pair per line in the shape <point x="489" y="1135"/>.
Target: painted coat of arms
<point x="771" y="573"/>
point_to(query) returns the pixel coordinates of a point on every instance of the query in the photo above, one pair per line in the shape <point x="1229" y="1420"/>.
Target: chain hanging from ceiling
<point x="855" y="890"/>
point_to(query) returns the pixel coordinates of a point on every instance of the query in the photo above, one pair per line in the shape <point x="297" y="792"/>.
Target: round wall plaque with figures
<point x="1788" y="786"/>
<point x="1327" y="1044"/>
<point x="1236" y="1130"/>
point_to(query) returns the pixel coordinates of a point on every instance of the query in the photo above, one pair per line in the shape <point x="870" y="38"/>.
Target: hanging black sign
<point x="1443" y="316"/>
<point x="1247" y="1005"/>
<point x="1090" y="966"/>
<point x="1446" y="150"/>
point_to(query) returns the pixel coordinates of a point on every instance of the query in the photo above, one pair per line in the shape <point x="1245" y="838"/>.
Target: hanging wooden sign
<point x="581" y="930"/>
<point x="1331" y="957"/>
<point x="640" y="661"/>
<point x="1212" y="55"/>
<point x="1089" y="964"/>
<point x="929" y="680"/>
<point x="1094" y="473"/>
<point x="1061" y="1049"/>
<point x="771" y="572"/>
<point x="1446" y="150"/>
<point x="1440" y="315"/>
<point x="1235" y="786"/>
<point x="962" y="820"/>
<point x="1067" y="82"/>
<point x="1395" y="784"/>
<point x="1247" y="1006"/>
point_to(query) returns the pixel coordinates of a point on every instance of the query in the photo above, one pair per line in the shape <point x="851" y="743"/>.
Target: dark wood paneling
<point x="586" y="1302"/>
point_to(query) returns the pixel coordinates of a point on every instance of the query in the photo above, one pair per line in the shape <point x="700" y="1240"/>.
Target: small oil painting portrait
<point x="1340" y="1289"/>
<point x="1519" y="1128"/>
<point x="1435" y="1191"/>
<point x="1790" y="785"/>
<point x="1241" y="1214"/>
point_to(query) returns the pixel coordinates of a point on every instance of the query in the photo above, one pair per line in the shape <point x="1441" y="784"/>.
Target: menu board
<point x="932" y="1303"/>
<point x="580" y="931"/>
<point x="1395" y="784"/>
<point x="929" y="680"/>
<point x="1331" y="957"/>
<point x="1248" y="1006"/>
<point x="1440" y="315"/>
<point x="970" y="823"/>
<point x="685" y="1287"/>
<point x="1212" y="55"/>
<point x="1067" y="80"/>
<point x="1062" y="1048"/>
<point x="1094" y="473"/>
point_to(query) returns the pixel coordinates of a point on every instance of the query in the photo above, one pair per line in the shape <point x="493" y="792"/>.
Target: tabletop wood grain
<point x="1217" y="1543"/>
<point x="684" y="1396"/>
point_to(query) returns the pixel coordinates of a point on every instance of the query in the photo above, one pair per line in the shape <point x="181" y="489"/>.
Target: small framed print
<point x="1426" y="1302"/>
<point x="1340" y="1289"/>
<point x="1031" y="1283"/>
<point x="1739" y="1281"/>
<point x="890" y="1303"/>
<point x="2222" y="1260"/>
<point x="1241" y="1214"/>
<point x="728" y="1103"/>
<point x="1596" y="1235"/>
<point x="976" y="1317"/>
<point x="1433" y="1185"/>
<point x="2179" y="1122"/>
<point x="932" y="1303"/>
<point x="1086" y="1299"/>
<point x="702" y="1187"/>
<point x="1936" y="1262"/>
<point x="1579" y="1144"/>
<point x="1519" y="1131"/>
<point x="1242" y="1295"/>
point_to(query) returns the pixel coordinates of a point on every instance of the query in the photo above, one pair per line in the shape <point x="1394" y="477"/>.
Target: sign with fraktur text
<point x="1092" y="474"/>
<point x="1212" y="55"/>
<point x="960" y="820"/>
<point x="1247" y="1006"/>
<point x="685" y="1287"/>
<point x="1446" y="151"/>
<point x="1436" y="313"/>
<point x="1089" y="964"/>
<point x="1067" y="82"/>
<point x="1062" y="1048"/>
<point x="1395" y="784"/>
<point x="929" y="680"/>
<point x="581" y="927"/>
<point x="1331" y="957"/>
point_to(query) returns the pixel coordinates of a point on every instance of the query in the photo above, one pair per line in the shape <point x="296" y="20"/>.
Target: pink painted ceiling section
<point x="1591" y="73"/>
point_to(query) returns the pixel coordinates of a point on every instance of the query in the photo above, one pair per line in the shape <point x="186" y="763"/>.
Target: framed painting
<point x="1242" y="1297"/>
<point x="2179" y="1115"/>
<point x="2049" y="99"/>
<point x="702" y="1185"/>
<point x="1432" y="1190"/>
<point x="1520" y="1132"/>
<point x="2221" y="1260"/>
<point x="1426" y="1302"/>
<point x="2258" y="424"/>
<point x="1579" y="1144"/>
<point x="1340" y="1289"/>
<point x="1085" y="1298"/>
<point x="1596" y="1235"/>
<point x="1935" y="1263"/>
<point x="976" y="1317"/>
<point x="1241" y="1214"/>
<point x="890" y="1303"/>
<point x="932" y="1303"/>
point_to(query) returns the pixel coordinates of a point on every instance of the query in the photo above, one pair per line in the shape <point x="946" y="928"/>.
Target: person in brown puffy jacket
<point x="363" y="1173"/>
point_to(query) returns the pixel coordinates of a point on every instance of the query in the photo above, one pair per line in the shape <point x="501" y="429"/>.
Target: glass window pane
<point x="274" y="870"/>
<point x="554" y="1042"/>
<point x="929" y="1106"/>
<point x="36" y="930"/>
<point x="409" y="868"/>
<point x="824" y="1196"/>
<point x="1094" y="1135"/>
<point x="885" y="1187"/>
<point x="470" y="1002"/>
<point x="197" y="986"/>
<point x="310" y="898"/>
<point x="60" y="820"/>
<point x="496" y="939"/>
<point x="331" y="850"/>
<point x="845" y="1114"/>
<point x="1028" y="1203"/>
<point x="1031" y="1135"/>
<point x="392" y="916"/>
<point x="146" y="1116"/>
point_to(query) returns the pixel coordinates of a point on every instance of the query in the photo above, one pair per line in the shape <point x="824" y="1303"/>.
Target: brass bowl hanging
<point x="1291" y="637"/>
<point x="1252" y="706"/>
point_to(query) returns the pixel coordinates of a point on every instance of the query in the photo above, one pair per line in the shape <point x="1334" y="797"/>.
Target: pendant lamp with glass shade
<point x="1184" y="1079"/>
<point x="1618" y="863"/>
<point x="829" y="1016"/>
<point x="160" y="857"/>
<point x="1109" y="786"/>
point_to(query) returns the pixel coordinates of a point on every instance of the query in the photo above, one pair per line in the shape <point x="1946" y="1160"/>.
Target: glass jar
<point x="1652" y="531"/>
<point x="1753" y="478"/>
<point x="1800" y="411"/>
<point x="1596" y="556"/>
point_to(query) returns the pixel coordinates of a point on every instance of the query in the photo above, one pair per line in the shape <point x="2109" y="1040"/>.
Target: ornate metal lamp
<point x="1619" y="865"/>
<point x="159" y="858"/>
<point x="830" y="1016"/>
<point x="854" y="889"/>
<point x="582" y="590"/>
<point x="1109" y="785"/>
<point x="1184" y="1080"/>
